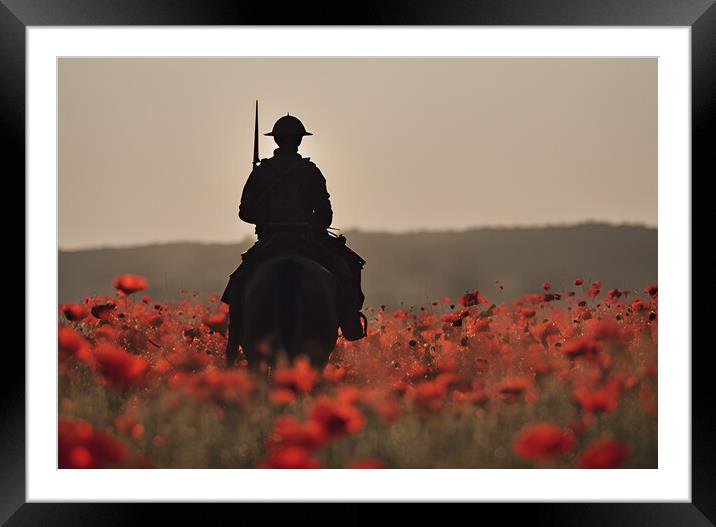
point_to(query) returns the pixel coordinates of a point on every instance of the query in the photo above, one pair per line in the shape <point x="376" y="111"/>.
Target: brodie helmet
<point x="288" y="125"/>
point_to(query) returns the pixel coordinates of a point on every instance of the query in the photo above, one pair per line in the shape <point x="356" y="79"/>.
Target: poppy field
<point x="555" y="379"/>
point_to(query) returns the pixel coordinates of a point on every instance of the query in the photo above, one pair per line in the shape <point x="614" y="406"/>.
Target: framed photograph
<point x="431" y="244"/>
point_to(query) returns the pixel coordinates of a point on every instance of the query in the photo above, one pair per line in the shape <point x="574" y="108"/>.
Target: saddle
<point x="280" y="239"/>
<point x="327" y="250"/>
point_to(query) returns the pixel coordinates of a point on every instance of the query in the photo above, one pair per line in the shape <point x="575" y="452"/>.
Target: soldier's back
<point x="288" y="200"/>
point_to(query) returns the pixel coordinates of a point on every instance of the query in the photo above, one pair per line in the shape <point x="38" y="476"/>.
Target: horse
<point x="288" y="305"/>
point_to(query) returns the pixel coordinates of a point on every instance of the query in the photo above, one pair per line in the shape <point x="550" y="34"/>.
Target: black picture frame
<point x="699" y="15"/>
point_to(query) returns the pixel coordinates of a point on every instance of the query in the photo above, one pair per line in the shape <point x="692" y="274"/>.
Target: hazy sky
<point x="155" y="150"/>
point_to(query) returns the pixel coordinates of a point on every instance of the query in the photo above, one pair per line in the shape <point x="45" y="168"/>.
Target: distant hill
<point x="414" y="268"/>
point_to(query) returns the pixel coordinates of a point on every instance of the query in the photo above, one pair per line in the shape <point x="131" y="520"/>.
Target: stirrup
<point x="363" y="323"/>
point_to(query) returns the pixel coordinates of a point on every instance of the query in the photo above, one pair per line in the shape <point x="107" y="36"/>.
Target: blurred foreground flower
<point x="604" y="453"/>
<point x="81" y="446"/>
<point x="336" y="418"/>
<point x="119" y="367"/>
<point x="300" y="378"/>
<point x="542" y="441"/>
<point x="290" y="457"/>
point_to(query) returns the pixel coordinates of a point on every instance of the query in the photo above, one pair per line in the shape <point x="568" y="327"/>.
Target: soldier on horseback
<point x="285" y="196"/>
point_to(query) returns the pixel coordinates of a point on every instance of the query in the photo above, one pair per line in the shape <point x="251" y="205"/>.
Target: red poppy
<point x="119" y="367"/>
<point x="582" y="347"/>
<point x="290" y="457"/>
<point x="545" y="330"/>
<point x="542" y="441"/>
<point x="217" y="322"/>
<point x="103" y="311"/>
<point x="416" y="371"/>
<point x="401" y="314"/>
<point x="282" y="396"/>
<point x="289" y="431"/>
<point x="81" y="446"/>
<point x="613" y="294"/>
<point x="336" y="418"/>
<point x="188" y="360"/>
<point x="605" y="330"/>
<point x="652" y="290"/>
<point x="472" y="298"/>
<point x="526" y="312"/>
<point x="455" y="319"/>
<point x="71" y="343"/>
<point x="604" y="398"/>
<point x="75" y="312"/>
<point x="300" y="378"/>
<point x="153" y="320"/>
<point x="389" y="408"/>
<point x="512" y="387"/>
<point x="430" y="395"/>
<point x="604" y="453"/>
<point x="126" y="284"/>
<point x="594" y="290"/>
<point x="546" y="285"/>
<point x="578" y="281"/>
<point x="583" y="313"/>
<point x="333" y="373"/>
<point x="639" y="305"/>
<point x="348" y="394"/>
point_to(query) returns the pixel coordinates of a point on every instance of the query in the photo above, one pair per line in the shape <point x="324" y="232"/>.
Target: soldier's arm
<point x="322" y="211"/>
<point x="247" y="199"/>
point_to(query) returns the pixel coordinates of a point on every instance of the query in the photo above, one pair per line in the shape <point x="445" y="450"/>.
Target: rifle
<point x="256" y="136"/>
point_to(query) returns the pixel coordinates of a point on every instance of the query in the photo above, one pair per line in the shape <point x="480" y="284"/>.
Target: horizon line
<point x="356" y="229"/>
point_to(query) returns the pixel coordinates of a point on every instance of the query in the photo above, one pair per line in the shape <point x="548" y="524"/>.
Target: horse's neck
<point x="293" y="273"/>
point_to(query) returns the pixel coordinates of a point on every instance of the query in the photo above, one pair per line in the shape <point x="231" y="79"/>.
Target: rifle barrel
<point x="256" y="136"/>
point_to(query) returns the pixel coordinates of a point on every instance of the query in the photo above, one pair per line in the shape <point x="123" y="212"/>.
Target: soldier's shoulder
<point x="310" y="165"/>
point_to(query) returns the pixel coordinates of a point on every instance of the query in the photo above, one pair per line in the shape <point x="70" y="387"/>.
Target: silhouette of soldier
<point x="285" y="196"/>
